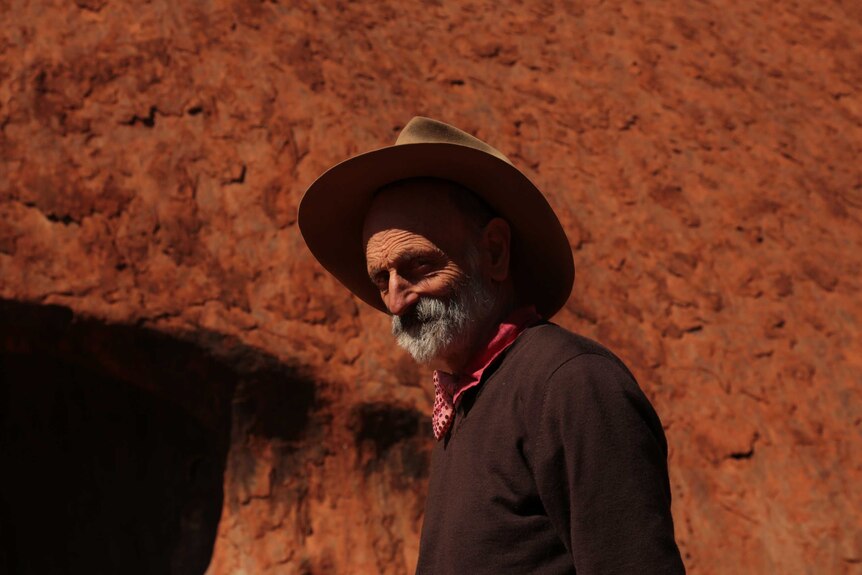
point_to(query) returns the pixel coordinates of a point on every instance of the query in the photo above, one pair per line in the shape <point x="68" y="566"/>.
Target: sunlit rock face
<point x="183" y="382"/>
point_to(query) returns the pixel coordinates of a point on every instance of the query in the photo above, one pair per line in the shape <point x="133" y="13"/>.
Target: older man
<point x="549" y="458"/>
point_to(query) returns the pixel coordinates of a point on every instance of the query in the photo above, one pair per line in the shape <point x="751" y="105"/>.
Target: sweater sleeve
<point x="599" y="458"/>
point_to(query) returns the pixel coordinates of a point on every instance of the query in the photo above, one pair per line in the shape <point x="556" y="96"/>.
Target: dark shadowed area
<point x="113" y="455"/>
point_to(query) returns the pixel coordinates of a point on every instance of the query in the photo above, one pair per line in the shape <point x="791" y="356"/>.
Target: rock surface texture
<point x="704" y="158"/>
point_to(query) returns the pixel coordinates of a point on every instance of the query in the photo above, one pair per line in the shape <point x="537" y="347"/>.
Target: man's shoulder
<point x="555" y="371"/>
<point x="545" y="347"/>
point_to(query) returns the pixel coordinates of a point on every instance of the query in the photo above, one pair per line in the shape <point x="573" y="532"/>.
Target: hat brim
<point x="332" y="213"/>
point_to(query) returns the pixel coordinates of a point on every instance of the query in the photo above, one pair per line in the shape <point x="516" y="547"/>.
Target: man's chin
<point x="422" y="353"/>
<point x="440" y="330"/>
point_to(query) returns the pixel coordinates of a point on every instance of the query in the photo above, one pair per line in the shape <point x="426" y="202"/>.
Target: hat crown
<point x="421" y="130"/>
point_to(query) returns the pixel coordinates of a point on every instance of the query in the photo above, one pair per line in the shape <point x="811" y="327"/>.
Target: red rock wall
<point x="703" y="157"/>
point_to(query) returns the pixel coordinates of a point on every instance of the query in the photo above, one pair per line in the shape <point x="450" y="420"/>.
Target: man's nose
<point x="401" y="296"/>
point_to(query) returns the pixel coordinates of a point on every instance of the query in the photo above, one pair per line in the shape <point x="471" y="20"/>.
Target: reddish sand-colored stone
<point x="704" y="158"/>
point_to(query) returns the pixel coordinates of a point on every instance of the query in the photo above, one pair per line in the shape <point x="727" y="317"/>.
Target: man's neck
<point x="457" y="362"/>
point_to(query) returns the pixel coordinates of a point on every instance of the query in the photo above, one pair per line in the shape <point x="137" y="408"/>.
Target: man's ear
<point x="496" y="242"/>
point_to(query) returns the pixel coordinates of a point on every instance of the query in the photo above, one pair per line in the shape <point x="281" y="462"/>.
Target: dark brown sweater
<point x="555" y="464"/>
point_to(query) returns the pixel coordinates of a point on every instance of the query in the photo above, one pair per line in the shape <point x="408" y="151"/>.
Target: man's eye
<point x="417" y="273"/>
<point x="423" y="266"/>
<point x="382" y="282"/>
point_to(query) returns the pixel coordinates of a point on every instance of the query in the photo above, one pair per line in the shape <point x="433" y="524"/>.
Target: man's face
<point x="422" y="254"/>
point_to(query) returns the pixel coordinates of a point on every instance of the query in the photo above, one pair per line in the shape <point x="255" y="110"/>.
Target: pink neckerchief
<point x="449" y="388"/>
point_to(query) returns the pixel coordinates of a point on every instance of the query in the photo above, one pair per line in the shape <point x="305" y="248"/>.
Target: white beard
<point x="435" y="328"/>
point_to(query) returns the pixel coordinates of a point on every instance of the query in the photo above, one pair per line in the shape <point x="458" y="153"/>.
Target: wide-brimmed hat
<point x="332" y="211"/>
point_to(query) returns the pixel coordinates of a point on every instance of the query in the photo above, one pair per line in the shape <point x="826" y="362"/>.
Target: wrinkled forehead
<point x="421" y="206"/>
